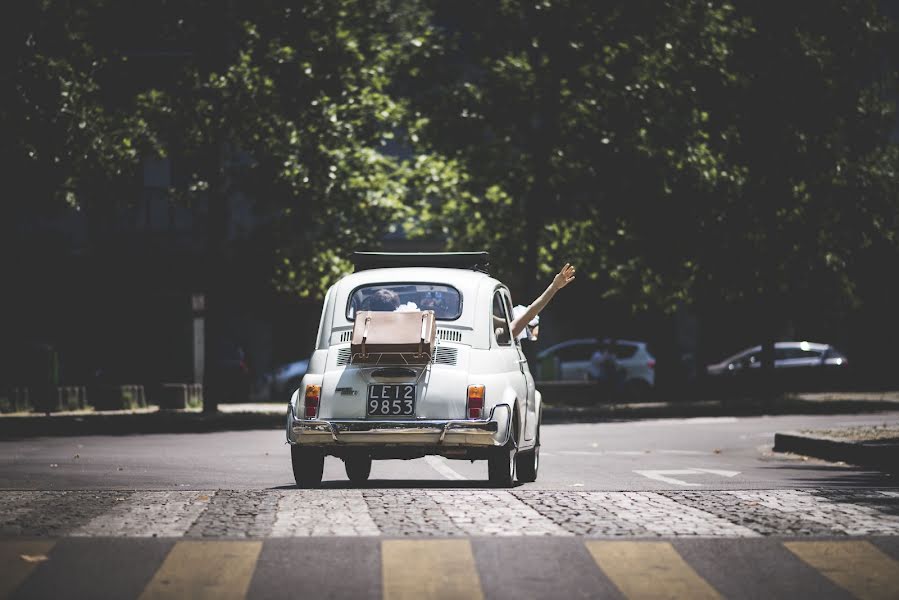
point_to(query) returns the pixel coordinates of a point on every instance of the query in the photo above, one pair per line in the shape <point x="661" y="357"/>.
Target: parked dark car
<point x="796" y="364"/>
<point x="286" y="378"/>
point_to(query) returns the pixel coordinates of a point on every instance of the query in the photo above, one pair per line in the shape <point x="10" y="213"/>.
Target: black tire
<point x="308" y="466"/>
<point x="358" y="467"/>
<point x="501" y="464"/>
<point x="527" y="463"/>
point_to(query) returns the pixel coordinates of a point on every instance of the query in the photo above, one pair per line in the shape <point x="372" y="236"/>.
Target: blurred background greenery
<point x="732" y="160"/>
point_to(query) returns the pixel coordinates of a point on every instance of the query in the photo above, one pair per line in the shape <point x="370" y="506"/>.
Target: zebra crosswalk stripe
<point x="856" y="566"/>
<point x="649" y="570"/>
<point x="205" y="570"/>
<point x="429" y="569"/>
<point x="18" y="559"/>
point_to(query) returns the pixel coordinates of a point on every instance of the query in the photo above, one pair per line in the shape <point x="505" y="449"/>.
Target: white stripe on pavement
<point x="439" y="464"/>
<point x="664" y="516"/>
<point x="149" y="514"/>
<point x="303" y="513"/>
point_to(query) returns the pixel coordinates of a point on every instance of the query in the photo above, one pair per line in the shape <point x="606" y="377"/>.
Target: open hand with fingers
<point x="563" y="277"/>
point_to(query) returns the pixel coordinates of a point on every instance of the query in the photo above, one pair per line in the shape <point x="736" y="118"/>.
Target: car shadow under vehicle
<point x="401" y="484"/>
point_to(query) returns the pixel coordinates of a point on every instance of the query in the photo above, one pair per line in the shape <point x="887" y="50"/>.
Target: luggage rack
<point x="473" y="261"/>
<point x="417" y="359"/>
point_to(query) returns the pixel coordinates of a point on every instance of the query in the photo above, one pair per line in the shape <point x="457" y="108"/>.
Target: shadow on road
<point x="375" y="484"/>
<point x="838" y="476"/>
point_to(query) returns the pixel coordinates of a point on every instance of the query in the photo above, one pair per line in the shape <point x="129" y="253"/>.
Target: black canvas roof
<point x="475" y="261"/>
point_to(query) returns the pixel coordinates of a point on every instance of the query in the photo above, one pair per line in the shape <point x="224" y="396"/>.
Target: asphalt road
<point x="692" y="508"/>
<point x="601" y="456"/>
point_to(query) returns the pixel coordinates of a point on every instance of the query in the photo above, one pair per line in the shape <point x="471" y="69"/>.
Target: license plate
<point x="391" y="400"/>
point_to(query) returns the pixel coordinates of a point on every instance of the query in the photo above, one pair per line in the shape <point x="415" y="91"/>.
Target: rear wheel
<point x="358" y="467"/>
<point x="308" y="466"/>
<point x="501" y="464"/>
<point x="527" y="463"/>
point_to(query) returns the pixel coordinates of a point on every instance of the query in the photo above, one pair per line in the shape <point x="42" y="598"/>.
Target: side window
<point x="511" y="315"/>
<point x="500" y="321"/>
<point x="579" y="352"/>
<point x="749" y="359"/>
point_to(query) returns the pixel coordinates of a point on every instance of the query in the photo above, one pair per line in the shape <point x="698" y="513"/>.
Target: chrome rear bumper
<point x="493" y="431"/>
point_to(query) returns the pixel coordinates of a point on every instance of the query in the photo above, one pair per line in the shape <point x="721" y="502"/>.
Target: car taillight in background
<point x="475" y="407"/>
<point x="313" y="394"/>
<point x="651" y="363"/>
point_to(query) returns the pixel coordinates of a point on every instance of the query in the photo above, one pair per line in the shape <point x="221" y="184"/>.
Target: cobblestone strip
<point x="237" y="513"/>
<point x="847" y="517"/>
<point x="408" y="513"/>
<point x="56" y="514"/>
<point x="323" y="513"/>
<point x="14" y="510"/>
<point x="883" y="501"/>
<point x="662" y="516"/>
<point x="478" y="512"/>
<point x="575" y="513"/>
<point x="788" y="512"/>
<point x="149" y="514"/>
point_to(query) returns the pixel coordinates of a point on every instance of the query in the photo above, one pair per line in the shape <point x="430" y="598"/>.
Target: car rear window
<point x="624" y="350"/>
<point x="444" y="300"/>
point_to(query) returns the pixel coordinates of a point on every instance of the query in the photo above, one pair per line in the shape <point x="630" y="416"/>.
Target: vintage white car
<point x="471" y="398"/>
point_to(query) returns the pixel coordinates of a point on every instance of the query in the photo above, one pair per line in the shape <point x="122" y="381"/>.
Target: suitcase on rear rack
<point x="394" y="337"/>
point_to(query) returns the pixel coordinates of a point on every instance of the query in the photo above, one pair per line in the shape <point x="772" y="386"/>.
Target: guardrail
<point x="174" y="396"/>
<point x="44" y="399"/>
<point x="118" y="397"/>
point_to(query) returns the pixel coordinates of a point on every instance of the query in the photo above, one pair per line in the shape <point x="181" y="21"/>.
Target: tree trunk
<point x="219" y="217"/>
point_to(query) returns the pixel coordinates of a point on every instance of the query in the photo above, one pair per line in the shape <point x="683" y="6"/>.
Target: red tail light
<point x="313" y="394"/>
<point x="475" y="401"/>
<point x="651" y="363"/>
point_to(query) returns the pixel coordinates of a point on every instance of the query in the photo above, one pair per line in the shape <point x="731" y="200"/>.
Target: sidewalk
<point x="872" y="446"/>
<point x="234" y="417"/>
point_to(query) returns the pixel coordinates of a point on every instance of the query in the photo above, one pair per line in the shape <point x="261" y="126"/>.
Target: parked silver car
<point x="627" y="363"/>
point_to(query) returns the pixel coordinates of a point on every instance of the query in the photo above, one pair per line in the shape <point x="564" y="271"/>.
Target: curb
<point x="126" y="424"/>
<point x="883" y="455"/>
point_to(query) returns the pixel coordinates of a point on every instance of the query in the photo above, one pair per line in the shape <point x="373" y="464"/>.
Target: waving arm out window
<point x="444" y="300"/>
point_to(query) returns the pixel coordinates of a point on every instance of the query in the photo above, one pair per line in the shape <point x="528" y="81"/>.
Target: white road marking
<point x="662" y="475"/>
<point x="631" y="452"/>
<point x="438" y="464"/>
<point x="602" y="452"/>
<point x="690" y="421"/>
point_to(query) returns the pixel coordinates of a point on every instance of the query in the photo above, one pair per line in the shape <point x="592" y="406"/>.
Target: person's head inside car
<point x="383" y="300"/>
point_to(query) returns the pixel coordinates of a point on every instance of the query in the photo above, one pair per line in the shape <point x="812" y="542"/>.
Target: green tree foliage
<point x="66" y="143"/>
<point x="297" y="113"/>
<point x="678" y="150"/>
